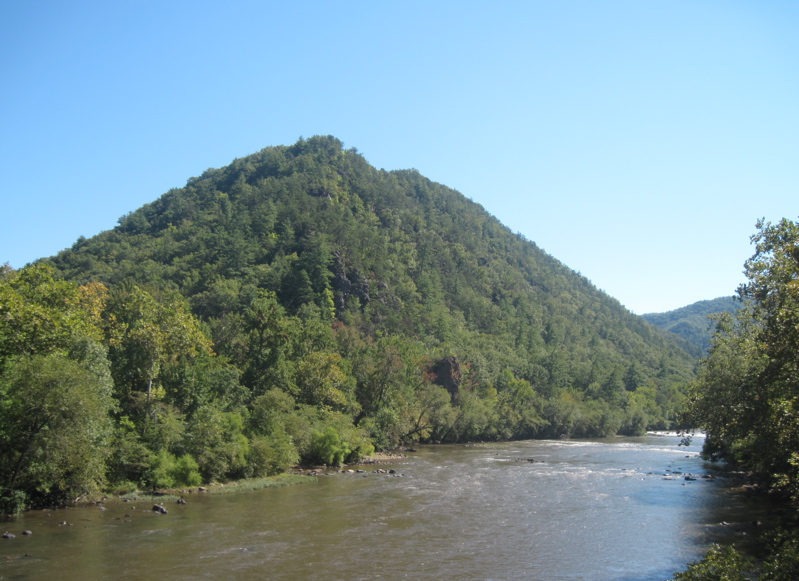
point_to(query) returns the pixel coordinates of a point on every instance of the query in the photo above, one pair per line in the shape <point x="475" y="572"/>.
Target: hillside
<point x="301" y="304"/>
<point x="387" y="254"/>
<point x="692" y="322"/>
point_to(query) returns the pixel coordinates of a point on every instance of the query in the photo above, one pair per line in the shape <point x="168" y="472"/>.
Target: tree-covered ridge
<point x="693" y="322"/>
<point x="300" y="304"/>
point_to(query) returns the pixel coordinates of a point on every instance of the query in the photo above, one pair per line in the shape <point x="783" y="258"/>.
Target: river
<point x="618" y="509"/>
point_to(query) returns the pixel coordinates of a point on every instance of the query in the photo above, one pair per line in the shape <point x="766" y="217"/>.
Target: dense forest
<point x="300" y="305"/>
<point x="693" y="322"/>
<point x="746" y="397"/>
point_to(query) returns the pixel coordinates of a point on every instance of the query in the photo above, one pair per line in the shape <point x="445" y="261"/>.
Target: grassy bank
<point x="245" y="485"/>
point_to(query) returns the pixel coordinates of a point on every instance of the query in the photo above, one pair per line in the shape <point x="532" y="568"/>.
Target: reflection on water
<point x="618" y="509"/>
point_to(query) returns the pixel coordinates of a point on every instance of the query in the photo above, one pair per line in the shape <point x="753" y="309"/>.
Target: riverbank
<point x="297" y="475"/>
<point x="244" y="485"/>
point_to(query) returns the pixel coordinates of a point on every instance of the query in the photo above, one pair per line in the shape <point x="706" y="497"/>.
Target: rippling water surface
<point x="595" y="510"/>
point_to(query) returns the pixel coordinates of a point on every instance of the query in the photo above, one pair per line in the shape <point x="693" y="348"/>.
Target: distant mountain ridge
<point x="692" y="323"/>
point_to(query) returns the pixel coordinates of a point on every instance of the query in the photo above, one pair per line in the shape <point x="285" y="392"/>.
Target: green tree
<point x="327" y="448"/>
<point x="432" y="415"/>
<point x="40" y="314"/>
<point x="322" y="383"/>
<point x="216" y="440"/>
<point x="145" y="335"/>
<point x="269" y="343"/>
<point x="747" y="393"/>
<point x="54" y="430"/>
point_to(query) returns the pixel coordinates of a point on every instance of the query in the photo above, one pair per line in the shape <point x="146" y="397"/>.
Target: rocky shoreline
<point x="382" y="458"/>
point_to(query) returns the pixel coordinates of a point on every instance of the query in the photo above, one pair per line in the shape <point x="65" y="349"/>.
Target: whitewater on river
<point x="619" y="509"/>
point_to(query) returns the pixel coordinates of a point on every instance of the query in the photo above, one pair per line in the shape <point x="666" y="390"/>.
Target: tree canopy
<point x="301" y="304"/>
<point x="747" y="393"/>
<point x="746" y="397"/>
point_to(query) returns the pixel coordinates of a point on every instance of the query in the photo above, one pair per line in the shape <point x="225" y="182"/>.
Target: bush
<point x="186" y="471"/>
<point x="272" y="455"/>
<point x="327" y="448"/>
<point x="217" y="442"/>
<point x="783" y="562"/>
<point x="166" y="471"/>
<point x="13" y="502"/>
<point x="720" y="564"/>
<point x="159" y="474"/>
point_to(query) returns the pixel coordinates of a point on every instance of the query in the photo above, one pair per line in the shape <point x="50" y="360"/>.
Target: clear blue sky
<point x="636" y="141"/>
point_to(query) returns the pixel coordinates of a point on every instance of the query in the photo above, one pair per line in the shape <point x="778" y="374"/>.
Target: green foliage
<point x="187" y="471"/>
<point x="54" y="429"/>
<point x="40" y="314"/>
<point x="273" y="454"/>
<point x="146" y="335"/>
<point x="746" y="396"/>
<point x="270" y="411"/>
<point x="160" y="473"/>
<point x="782" y="561"/>
<point x="327" y="448"/>
<point x="129" y="457"/>
<point x="321" y="382"/>
<point x="779" y="561"/>
<point x="747" y="392"/>
<point x="394" y="255"/>
<point x="167" y="471"/>
<point x="13" y="502"/>
<point x="720" y="564"/>
<point x="217" y="441"/>
<point x="301" y="304"/>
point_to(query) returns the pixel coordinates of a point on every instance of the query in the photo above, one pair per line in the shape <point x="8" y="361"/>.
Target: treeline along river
<point x="616" y="509"/>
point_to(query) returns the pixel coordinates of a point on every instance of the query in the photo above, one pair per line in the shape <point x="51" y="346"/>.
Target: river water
<point x="613" y="509"/>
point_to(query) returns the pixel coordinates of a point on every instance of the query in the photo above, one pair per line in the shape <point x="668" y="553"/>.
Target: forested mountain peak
<point x="299" y="303"/>
<point x="387" y="253"/>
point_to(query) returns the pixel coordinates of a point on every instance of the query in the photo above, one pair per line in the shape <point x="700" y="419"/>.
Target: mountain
<point x="692" y="322"/>
<point x="301" y="304"/>
<point x="386" y="253"/>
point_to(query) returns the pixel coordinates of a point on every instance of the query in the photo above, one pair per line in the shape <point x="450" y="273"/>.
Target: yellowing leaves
<point x="321" y="381"/>
<point x="40" y="314"/>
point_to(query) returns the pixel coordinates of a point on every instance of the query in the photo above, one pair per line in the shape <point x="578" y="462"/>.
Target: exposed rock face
<point x="447" y="374"/>
<point x="346" y="286"/>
